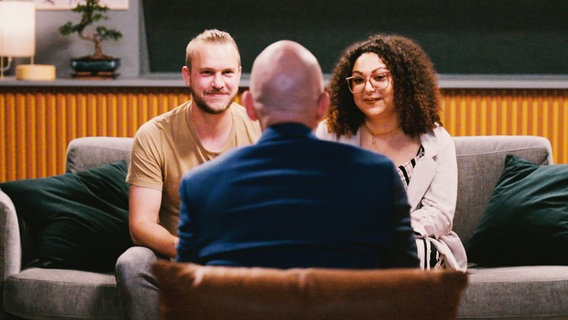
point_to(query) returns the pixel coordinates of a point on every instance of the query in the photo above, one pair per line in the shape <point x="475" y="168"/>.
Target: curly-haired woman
<point x="385" y="98"/>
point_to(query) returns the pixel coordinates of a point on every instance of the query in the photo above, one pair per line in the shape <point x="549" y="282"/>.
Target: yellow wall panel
<point x="510" y="112"/>
<point x="38" y="123"/>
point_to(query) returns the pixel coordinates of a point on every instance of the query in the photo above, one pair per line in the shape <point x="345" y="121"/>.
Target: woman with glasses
<point x="385" y="98"/>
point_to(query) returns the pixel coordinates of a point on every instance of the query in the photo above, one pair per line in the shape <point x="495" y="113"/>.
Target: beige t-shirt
<point x="167" y="146"/>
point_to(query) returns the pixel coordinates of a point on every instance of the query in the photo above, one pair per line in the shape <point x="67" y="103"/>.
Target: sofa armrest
<point x="10" y="246"/>
<point x="88" y="152"/>
<point x="481" y="160"/>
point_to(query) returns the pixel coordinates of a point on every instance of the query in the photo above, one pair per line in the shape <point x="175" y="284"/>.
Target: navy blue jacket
<point x="292" y="200"/>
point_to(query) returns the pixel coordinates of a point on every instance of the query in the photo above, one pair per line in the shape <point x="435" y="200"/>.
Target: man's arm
<point x="143" y="222"/>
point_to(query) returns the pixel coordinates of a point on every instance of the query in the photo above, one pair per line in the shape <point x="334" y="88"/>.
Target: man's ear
<point x="248" y="103"/>
<point x="186" y="74"/>
<point x="323" y="104"/>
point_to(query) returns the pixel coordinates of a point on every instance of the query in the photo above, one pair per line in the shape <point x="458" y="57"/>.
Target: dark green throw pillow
<point x="73" y="221"/>
<point x="526" y="221"/>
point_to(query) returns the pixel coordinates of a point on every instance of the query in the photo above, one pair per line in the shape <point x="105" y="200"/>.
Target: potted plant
<point x="97" y="63"/>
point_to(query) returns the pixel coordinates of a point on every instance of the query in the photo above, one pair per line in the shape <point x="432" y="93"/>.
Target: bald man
<point x="292" y="200"/>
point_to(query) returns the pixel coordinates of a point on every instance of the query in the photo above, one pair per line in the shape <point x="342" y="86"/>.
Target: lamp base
<point x="35" y="72"/>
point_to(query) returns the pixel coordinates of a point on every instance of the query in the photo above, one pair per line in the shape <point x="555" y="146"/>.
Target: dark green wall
<point x="461" y="37"/>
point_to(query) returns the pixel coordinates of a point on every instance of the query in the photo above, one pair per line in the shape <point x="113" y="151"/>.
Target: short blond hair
<point x="209" y="36"/>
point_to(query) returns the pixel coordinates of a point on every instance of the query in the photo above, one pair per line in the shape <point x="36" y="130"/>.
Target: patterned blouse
<point x="405" y="170"/>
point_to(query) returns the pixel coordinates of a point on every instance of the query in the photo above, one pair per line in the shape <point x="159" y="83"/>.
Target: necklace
<point x="375" y="135"/>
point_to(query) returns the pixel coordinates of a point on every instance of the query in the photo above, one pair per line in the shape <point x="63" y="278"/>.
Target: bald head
<point x="287" y="85"/>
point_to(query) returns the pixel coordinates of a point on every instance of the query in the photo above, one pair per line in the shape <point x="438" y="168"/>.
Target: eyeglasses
<point x="379" y="81"/>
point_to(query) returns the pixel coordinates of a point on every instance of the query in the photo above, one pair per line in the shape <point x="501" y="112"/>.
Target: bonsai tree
<point x="92" y="12"/>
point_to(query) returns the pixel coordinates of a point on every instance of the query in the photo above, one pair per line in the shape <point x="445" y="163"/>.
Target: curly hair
<point x="416" y="92"/>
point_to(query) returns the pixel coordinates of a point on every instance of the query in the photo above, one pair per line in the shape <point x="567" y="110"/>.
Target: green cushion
<point x="526" y="221"/>
<point x="74" y="221"/>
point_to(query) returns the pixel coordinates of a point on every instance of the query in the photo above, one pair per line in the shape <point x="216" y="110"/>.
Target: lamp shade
<point x="17" y="29"/>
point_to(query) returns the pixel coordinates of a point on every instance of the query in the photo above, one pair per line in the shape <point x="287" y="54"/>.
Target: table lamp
<point x="17" y="39"/>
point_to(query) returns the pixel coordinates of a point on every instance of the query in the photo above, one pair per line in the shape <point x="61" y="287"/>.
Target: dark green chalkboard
<point x="461" y="37"/>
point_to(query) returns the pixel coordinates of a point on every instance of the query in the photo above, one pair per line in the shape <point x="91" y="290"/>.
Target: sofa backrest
<point x="481" y="161"/>
<point x="88" y="152"/>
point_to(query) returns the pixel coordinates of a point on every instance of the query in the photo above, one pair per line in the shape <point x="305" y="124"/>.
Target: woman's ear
<point x="248" y="103"/>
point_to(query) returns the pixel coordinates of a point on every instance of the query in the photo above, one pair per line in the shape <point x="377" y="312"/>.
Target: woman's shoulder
<point x="437" y="133"/>
<point x="435" y="139"/>
<point x="323" y="133"/>
<point x="441" y="132"/>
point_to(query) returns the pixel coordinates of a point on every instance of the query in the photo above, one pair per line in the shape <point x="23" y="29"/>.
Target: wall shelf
<point x="445" y="81"/>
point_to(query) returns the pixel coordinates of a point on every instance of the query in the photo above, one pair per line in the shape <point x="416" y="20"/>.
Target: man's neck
<point x="212" y="129"/>
<point x="289" y="117"/>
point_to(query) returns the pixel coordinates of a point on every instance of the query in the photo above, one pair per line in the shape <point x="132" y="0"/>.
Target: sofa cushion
<point x="76" y="220"/>
<point x="37" y="293"/>
<point x="216" y="292"/>
<point x="526" y="221"/>
<point x="514" y="293"/>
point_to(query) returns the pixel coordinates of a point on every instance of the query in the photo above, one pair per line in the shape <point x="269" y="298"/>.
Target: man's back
<point x="295" y="201"/>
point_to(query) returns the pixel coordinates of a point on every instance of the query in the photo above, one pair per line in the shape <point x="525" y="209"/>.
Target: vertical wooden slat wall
<point x="510" y="112"/>
<point x="38" y="123"/>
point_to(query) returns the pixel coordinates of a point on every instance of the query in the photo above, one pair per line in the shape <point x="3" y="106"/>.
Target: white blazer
<point x="432" y="192"/>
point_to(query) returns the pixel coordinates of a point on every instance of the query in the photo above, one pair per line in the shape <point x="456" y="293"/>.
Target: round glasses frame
<point x="379" y="81"/>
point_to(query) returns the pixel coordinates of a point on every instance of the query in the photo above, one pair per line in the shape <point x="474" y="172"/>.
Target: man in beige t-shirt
<point x="168" y="146"/>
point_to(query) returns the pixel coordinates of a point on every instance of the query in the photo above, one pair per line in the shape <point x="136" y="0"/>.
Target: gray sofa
<point x="535" y="292"/>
